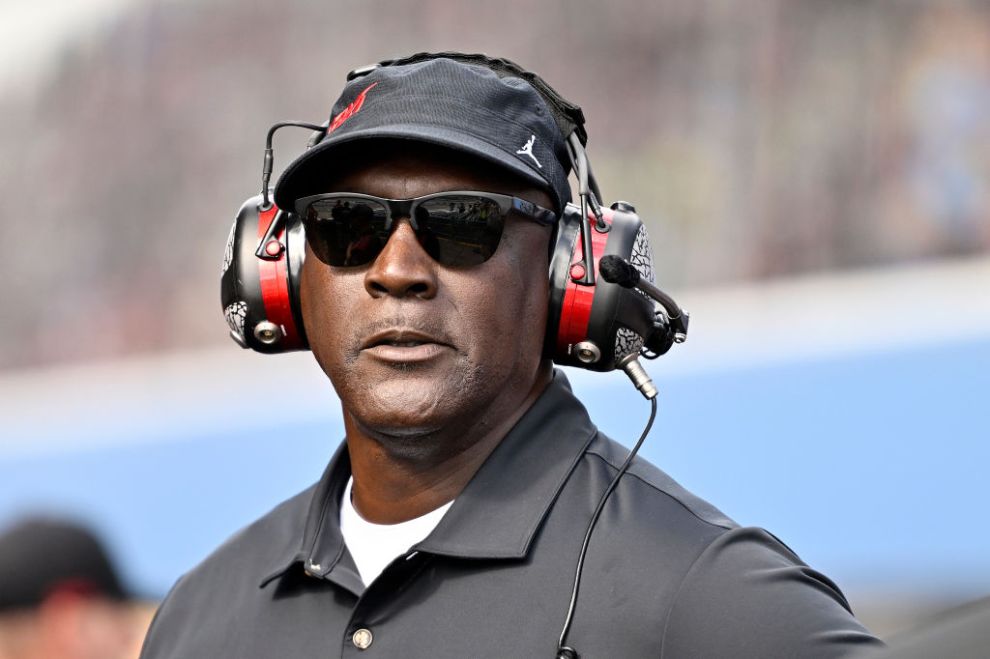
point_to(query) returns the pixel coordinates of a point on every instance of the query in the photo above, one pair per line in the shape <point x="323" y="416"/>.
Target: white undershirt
<point x="374" y="546"/>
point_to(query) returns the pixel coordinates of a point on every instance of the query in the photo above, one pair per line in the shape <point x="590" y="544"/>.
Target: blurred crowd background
<point x="815" y="177"/>
<point x="759" y="139"/>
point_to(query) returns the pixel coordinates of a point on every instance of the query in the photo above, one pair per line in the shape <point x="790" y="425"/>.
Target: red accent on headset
<point x="575" y="310"/>
<point x="274" y="276"/>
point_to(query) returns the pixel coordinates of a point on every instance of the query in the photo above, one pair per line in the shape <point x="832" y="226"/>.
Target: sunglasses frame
<point x="406" y="208"/>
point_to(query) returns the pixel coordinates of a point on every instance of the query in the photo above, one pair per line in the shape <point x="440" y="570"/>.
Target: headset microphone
<point x="669" y="329"/>
<point x="617" y="270"/>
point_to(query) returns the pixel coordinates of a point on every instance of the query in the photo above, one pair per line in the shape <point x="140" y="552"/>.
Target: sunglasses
<point x="457" y="229"/>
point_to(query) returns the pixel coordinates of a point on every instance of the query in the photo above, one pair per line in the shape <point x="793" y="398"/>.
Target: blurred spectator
<point x="962" y="633"/>
<point x="60" y="596"/>
<point x="758" y="139"/>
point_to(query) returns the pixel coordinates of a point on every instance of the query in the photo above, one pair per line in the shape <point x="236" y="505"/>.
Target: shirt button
<point x="362" y="639"/>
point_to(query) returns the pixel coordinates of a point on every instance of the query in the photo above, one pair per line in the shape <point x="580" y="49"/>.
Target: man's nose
<point x="403" y="268"/>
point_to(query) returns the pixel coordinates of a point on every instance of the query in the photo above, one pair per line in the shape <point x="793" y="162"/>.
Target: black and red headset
<point x="604" y="311"/>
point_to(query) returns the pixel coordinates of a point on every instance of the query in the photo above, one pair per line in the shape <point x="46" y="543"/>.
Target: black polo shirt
<point x="666" y="575"/>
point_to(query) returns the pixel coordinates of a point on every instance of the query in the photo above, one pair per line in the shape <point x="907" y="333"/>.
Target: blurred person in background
<point x="959" y="633"/>
<point x="61" y="596"/>
<point x="449" y="523"/>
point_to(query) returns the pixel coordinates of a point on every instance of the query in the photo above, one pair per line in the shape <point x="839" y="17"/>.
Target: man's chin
<point x="415" y="439"/>
<point x="436" y="402"/>
<point x="407" y="406"/>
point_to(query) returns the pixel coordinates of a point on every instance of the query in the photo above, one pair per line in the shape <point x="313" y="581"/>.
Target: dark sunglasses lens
<point x="459" y="230"/>
<point x="346" y="231"/>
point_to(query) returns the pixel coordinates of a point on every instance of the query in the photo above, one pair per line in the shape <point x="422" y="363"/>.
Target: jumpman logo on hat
<point x="527" y="150"/>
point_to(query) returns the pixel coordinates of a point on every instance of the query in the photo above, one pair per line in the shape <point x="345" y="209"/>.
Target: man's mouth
<point x="403" y="346"/>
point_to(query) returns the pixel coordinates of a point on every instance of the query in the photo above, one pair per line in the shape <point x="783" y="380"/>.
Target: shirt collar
<point x="319" y="545"/>
<point x="498" y="513"/>
<point x="495" y="516"/>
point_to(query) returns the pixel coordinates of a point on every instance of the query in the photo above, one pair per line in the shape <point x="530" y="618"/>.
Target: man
<point x="60" y="595"/>
<point x="450" y="521"/>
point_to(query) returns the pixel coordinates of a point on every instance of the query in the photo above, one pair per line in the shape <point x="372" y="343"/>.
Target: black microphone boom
<point x="617" y="270"/>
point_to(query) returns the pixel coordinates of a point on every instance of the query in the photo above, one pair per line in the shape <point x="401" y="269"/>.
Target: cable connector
<point x="640" y="378"/>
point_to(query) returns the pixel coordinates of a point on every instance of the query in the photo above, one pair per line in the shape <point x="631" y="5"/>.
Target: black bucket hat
<point x="448" y="102"/>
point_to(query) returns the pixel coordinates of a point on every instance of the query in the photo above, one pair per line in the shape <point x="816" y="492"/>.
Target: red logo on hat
<point x="350" y="110"/>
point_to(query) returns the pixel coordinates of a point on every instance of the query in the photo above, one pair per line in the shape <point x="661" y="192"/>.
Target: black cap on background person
<point x="60" y="594"/>
<point x="40" y="557"/>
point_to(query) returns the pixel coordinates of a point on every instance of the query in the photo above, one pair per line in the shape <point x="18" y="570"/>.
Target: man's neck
<point x="392" y="486"/>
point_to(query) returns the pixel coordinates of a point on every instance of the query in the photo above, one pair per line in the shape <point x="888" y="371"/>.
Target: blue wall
<point x="871" y="466"/>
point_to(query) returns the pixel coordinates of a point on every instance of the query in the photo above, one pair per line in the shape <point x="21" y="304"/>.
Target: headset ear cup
<point x="295" y="255"/>
<point x="593" y="327"/>
<point x="624" y="319"/>
<point x="260" y="295"/>
<point x="561" y="257"/>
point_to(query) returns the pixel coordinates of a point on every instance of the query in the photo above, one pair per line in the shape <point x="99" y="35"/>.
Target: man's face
<point x="413" y="347"/>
